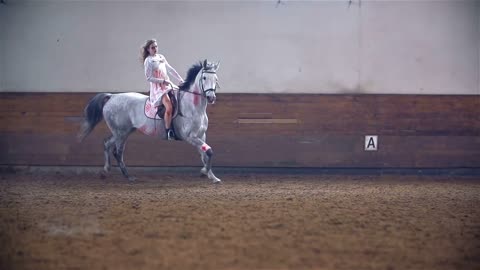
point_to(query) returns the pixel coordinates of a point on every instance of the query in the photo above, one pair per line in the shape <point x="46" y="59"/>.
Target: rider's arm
<point x="149" y="72"/>
<point x="173" y="72"/>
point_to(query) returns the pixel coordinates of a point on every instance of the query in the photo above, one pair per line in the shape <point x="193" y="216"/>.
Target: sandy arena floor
<point x="60" y="221"/>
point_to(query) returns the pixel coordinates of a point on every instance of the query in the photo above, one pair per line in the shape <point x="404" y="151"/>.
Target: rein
<point x="203" y="94"/>
<point x="186" y="91"/>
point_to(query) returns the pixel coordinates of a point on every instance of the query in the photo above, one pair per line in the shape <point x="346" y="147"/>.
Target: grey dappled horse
<point x="124" y="113"/>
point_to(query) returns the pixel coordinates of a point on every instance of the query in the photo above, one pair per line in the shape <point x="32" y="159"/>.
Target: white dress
<point x="156" y="72"/>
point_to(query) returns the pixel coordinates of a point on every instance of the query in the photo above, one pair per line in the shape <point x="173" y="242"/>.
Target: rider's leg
<point x="168" y="116"/>
<point x="168" y="111"/>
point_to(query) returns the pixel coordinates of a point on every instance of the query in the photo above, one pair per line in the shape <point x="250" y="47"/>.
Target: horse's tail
<point x="93" y="114"/>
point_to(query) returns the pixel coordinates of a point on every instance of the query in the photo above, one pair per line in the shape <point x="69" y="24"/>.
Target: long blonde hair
<point x="144" y="53"/>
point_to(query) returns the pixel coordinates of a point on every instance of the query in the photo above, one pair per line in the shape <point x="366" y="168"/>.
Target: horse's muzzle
<point x="211" y="100"/>
<point x="211" y="97"/>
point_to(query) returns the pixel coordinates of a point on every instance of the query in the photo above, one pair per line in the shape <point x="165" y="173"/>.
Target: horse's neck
<point x="193" y="104"/>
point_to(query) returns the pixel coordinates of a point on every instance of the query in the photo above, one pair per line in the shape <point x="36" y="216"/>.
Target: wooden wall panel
<point x="261" y="130"/>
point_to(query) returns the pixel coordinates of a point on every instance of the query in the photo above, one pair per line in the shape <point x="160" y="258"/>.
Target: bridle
<point x="203" y="87"/>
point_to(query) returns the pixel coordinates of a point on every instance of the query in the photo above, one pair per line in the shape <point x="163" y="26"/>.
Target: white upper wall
<point x="420" y="47"/>
<point x="2" y="47"/>
<point x="410" y="47"/>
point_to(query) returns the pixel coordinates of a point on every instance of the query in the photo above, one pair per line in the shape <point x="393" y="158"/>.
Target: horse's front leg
<point x="204" y="158"/>
<point x="207" y="155"/>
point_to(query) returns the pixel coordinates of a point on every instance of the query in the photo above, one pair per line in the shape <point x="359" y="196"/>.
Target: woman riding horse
<point x="125" y="112"/>
<point x="156" y="69"/>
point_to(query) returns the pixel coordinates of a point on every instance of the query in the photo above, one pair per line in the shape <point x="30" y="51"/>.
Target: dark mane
<point x="191" y="75"/>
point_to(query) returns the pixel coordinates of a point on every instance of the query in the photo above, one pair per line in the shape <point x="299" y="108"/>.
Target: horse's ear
<point x="217" y="65"/>
<point x="205" y="62"/>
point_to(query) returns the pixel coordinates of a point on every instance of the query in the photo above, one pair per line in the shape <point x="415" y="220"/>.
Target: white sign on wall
<point x="371" y="143"/>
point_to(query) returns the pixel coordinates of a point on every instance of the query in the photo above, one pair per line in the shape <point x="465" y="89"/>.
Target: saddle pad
<point x="150" y="111"/>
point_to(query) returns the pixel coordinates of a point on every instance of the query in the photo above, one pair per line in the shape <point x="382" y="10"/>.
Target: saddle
<point x="153" y="113"/>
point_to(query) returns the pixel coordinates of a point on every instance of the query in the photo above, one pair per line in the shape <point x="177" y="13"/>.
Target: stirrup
<point x="171" y="135"/>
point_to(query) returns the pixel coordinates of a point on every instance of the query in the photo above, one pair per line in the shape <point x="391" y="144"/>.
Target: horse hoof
<point x="217" y="181"/>
<point x="204" y="172"/>
<point x="106" y="169"/>
<point x="132" y="178"/>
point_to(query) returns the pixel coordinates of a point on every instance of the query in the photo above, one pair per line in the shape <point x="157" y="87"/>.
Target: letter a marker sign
<point x="371" y="143"/>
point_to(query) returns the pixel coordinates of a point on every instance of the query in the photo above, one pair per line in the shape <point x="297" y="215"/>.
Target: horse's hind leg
<point x="118" y="154"/>
<point x="107" y="147"/>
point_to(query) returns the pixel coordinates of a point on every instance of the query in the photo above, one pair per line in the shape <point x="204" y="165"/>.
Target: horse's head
<point x="208" y="80"/>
